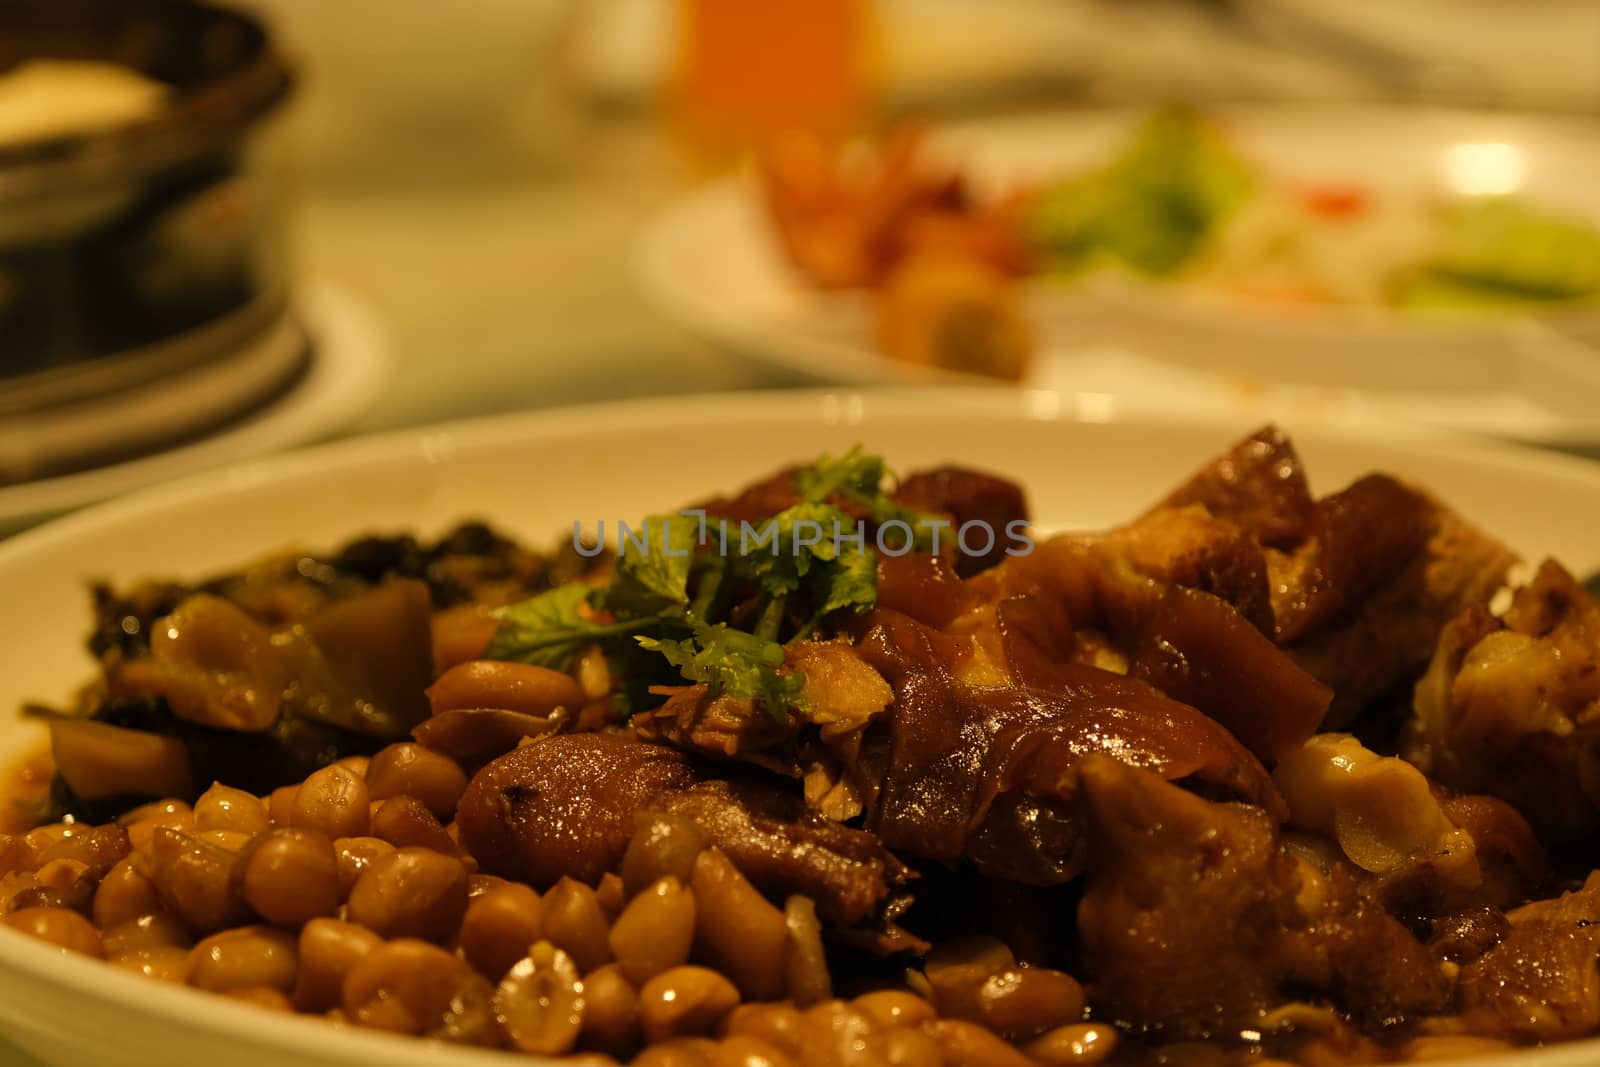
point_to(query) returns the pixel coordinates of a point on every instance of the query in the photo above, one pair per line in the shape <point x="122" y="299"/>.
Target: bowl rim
<point x="193" y="1010"/>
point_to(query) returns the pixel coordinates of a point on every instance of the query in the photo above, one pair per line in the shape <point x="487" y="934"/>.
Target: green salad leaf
<point x="1152" y="207"/>
<point x="1498" y="251"/>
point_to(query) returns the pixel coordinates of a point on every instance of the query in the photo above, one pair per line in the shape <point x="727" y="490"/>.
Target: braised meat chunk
<point x="1508" y="707"/>
<point x="566" y="806"/>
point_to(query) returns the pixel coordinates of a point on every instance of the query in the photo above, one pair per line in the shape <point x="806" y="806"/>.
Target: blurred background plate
<point x="347" y="363"/>
<point x="710" y="261"/>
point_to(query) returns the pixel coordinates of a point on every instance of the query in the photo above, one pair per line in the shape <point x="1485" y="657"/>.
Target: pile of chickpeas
<point x="350" y="896"/>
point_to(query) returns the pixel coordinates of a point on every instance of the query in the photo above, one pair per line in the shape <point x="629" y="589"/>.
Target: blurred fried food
<point x="888" y="217"/>
<point x="962" y="314"/>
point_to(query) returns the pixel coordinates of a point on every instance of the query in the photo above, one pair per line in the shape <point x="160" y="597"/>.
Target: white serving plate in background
<point x="711" y="262"/>
<point x="1082" y="464"/>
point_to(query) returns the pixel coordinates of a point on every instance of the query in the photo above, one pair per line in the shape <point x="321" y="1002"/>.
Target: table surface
<point x="508" y="296"/>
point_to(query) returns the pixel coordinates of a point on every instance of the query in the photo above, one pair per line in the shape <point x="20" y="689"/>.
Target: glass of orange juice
<point x="751" y="68"/>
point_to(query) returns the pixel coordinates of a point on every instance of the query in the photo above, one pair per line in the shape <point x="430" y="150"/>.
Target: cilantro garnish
<point x="679" y="578"/>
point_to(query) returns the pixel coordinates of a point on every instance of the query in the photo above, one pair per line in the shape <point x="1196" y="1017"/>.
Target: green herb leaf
<point x="652" y="570"/>
<point x="735" y="663"/>
<point x="851" y="582"/>
<point x="549" y="630"/>
<point x="853" y="474"/>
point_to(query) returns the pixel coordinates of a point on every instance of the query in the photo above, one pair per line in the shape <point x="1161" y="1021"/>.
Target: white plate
<point x="711" y="262"/>
<point x="536" y="474"/>
<point x="350" y="363"/>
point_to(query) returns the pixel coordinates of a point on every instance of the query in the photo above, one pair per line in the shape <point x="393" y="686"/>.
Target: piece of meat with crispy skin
<point x="1259" y="485"/>
<point x="1197" y="649"/>
<point x="967" y="496"/>
<point x="566" y="806"/>
<point x="1542" y="982"/>
<point x="1195" y="922"/>
<point x="1363" y="646"/>
<point x="986" y="773"/>
<point x="1184" y="907"/>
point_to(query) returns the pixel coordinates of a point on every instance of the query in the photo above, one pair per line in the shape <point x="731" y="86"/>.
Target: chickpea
<point x="655" y="931"/>
<point x="333" y="800"/>
<point x="685" y="1001"/>
<point x="833" y="1031"/>
<point x="124" y="894"/>
<point x="228" y="840"/>
<point x="967" y="1044"/>
<point x="61" y="927"/>
<point x="157" y="930"/>
<point x="412" y="892"/>
<point x="166" y="964"/>
<point x="611" y="1018"/>
<point x="356" y="854"/>
<point x="776" y="1024"/>
<point x="510" y="686"/>
<point x="194" y="880"/>
<point x="244" y="957"/>
<point x="736" y="929"/>
<point x="479" y="883"/>
<point x="1078" y="1045"/>
<point x="957" y="970"/>
<point x="142" y="822"/>
<point x="743" y="1050"/>
<point x="689" y="1052"/>
<point x="290" y="876"/>
<point x="224" y="808"/>
<point x="894" y="1007"/>
<point x="36" y="842"/>
<point x="1021" y="1003"/>
<point x="98" y="848"/>
<point x="403" y="821"/>
<point x="904" y="1046"/>
<point x="412" y="987"/>
<point x="15" y="855"/>
<point x="155" y="809"/>
<point x="280" y="804"/>
<point x="408" y="769"/>
<point x="329" y="950"/>
<point x="499" y="927"/>
<point x="661" y="845"/>
<point x="575" y="922"/>
<point x="540" y="1002"/>
<point x="357" y="765"/>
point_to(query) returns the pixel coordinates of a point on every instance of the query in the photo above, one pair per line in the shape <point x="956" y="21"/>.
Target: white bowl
<point x="536" y="475"/>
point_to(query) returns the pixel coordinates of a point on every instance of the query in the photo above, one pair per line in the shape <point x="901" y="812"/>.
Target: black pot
<point x="150" y="248"/>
